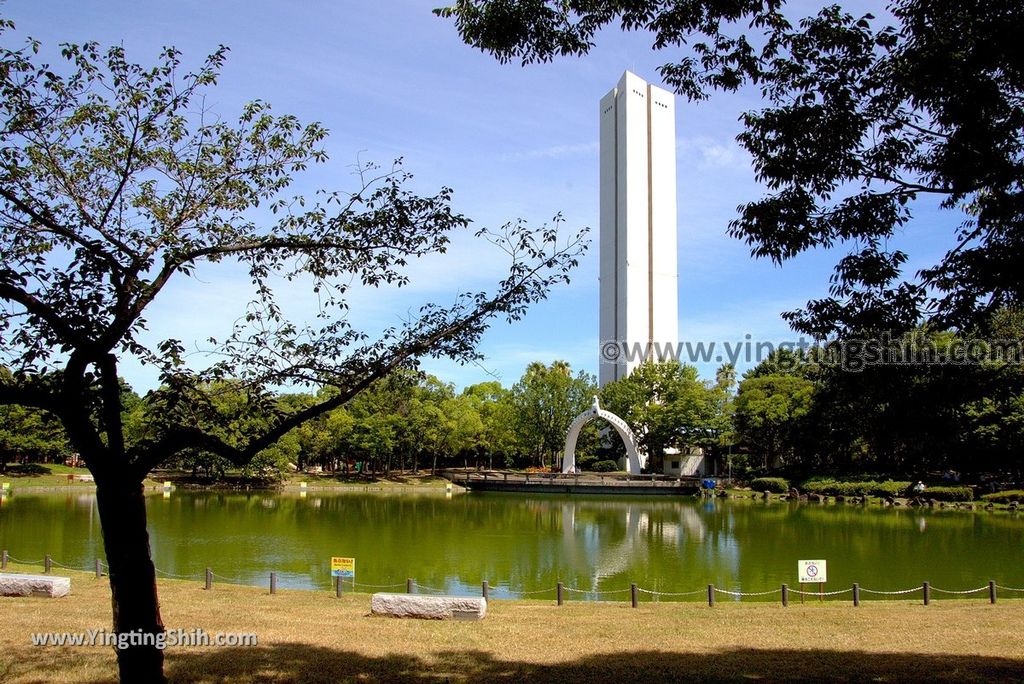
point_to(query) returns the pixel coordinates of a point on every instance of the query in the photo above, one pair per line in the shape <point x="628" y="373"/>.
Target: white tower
<point x="639" y="276"/>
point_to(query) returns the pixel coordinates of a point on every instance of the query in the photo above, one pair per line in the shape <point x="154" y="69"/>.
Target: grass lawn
<point x="48" y="475"/>
<point x="312" y="636"/>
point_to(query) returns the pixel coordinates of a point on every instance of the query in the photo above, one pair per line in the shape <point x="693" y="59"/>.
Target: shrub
<point x="949" y="493"/>
<point x="605" y="467"/>
<point x="1005" y="496"/>
<point x="776" y="485"/>
<point x="831" y="488"/>
<point x="836" y="488"/>
<point x="889" y="488"/>
<point x="827" y="487"/>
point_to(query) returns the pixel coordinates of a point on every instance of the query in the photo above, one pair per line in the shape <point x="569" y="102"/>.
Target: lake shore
<point x="895" y="502"/>
<point x="313" y="636"/>
<point x="64" y="478"/>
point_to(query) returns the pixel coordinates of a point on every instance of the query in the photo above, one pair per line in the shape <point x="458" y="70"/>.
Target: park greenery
<point x="800" y="414"/>
<point x="115" y="181"/>
<point x="860" y="117"/>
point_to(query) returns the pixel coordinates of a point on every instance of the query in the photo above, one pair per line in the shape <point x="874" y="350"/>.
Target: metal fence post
<point x="3" y="560"/>
<point x="856" y="594"/>
<point x="47" y="564"/>
<point x="991" y="591"/>
<point x="559" y="592"/>
<point x="337" y="587"/>
<point x="927" y="591"/>
<point x="273" y="583"/>
<point x="408" y="585"/>
<point x="711" y="596"/>
<point x="209" y="578"/>
<point x="785" y="595"/>
<point x="99" y="569"/>
<point x="484" y="590"/>
<point x="633" y="595"/>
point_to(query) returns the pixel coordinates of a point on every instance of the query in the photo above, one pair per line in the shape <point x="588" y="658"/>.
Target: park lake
<point x="524" y="545"/>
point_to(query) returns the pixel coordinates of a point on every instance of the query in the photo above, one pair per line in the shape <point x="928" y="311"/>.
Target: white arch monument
<point x="634" y="462"/>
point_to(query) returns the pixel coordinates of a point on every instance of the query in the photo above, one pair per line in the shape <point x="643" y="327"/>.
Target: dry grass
<point x="311" y="636"/>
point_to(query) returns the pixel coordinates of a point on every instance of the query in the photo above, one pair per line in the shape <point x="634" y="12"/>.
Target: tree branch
<point x="38" y="308"/>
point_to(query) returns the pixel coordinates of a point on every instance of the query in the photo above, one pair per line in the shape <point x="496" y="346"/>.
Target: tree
<point x="769" y="410"/>
<point x="27" y="433"/>
<point x="862" y="119"/>
<point x="497" y="413"/>
<point x="992" y="430"/>
<point x="720" y="430"/>
<point x="464" y="427"/>
<point x="115" y="181"/>
<point x="547" y="399"/>
<point x="667" y="406"/>
<point x="938" y="404"/>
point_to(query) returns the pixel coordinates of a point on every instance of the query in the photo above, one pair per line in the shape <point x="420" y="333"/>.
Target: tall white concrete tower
<point x="639" y="275"/>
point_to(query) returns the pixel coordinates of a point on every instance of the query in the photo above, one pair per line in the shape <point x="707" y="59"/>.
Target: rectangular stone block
<point x="34" y="585"/>
<point x="429" y="607"/>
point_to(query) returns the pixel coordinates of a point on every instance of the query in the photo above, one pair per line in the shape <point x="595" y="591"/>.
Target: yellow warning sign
<point x="343" y="567"/>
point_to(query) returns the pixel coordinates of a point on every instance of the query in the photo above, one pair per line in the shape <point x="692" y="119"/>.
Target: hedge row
<point x="844" y="488"/>
<point x="1005" y="496"/>
<point x="886" y="488"/>
<point x="775" y="485"/>
<point x="949" y="493"/>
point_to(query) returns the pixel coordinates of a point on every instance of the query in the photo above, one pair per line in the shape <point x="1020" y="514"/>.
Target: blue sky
<point x="389" y="79"/>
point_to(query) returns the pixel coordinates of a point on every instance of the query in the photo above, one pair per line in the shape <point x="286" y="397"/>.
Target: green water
<point x="529" y="543"/>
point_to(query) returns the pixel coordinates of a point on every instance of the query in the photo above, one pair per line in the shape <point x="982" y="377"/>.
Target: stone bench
<point x="34" y="585"/>
<point x="429" y="607"/>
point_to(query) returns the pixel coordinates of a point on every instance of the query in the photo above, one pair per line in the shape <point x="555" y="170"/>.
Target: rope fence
<point x="173" y="576"/>
<point x="378" y="586"/>
<point x="669" y="593"/>
<point x="741" y="594"/>
<point x="560" y="589"/>
<point x="827" y="593"/>
<point x="432" y="590"/>
<point x="594" y="592"/>
<point x="960" y="593"/>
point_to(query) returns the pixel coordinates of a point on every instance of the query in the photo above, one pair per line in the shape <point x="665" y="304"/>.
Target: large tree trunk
<point x="136" y="608"/>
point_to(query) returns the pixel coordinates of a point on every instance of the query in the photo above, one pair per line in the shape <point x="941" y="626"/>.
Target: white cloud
<point x="554" y="152"/>
<point x="713" y="154"/>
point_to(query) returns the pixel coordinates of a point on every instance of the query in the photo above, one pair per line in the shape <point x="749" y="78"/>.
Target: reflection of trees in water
<point x="532" y="542"/>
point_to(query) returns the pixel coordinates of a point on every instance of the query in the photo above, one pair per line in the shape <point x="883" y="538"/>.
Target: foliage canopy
<point x="863" y="115"/>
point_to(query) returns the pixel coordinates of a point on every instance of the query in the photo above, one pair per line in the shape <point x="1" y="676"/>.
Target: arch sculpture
<point x="633" y="460"/>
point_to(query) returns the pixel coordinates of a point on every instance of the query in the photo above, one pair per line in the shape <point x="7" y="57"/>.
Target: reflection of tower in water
<point x="601" y="549"/>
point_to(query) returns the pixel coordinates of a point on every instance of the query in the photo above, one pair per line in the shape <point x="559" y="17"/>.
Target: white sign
<point x="811" y="571"/>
